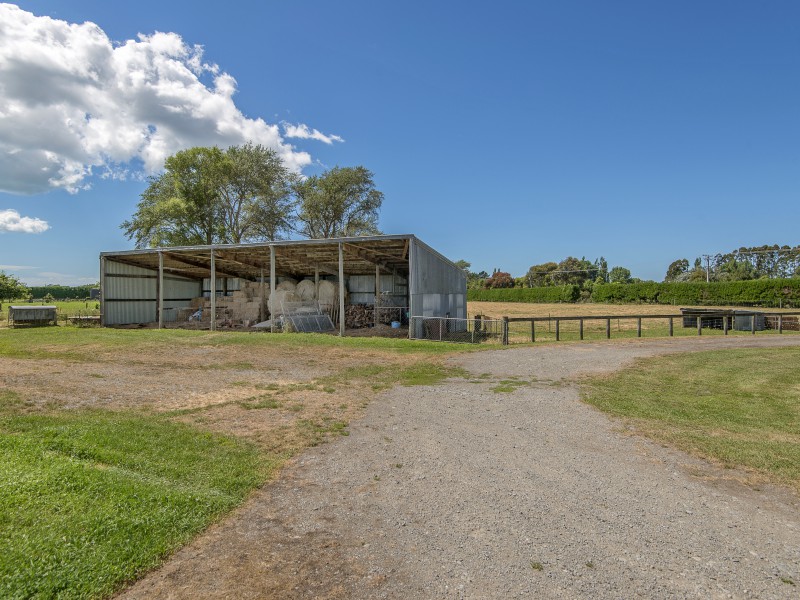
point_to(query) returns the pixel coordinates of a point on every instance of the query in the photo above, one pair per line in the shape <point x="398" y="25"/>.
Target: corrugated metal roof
<point x="292" y="257"/>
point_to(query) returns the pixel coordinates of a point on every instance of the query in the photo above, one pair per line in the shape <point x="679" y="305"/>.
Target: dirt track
<point x="455" y="491"/>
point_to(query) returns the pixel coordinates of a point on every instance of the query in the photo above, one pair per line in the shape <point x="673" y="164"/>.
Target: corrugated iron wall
<point x="129" y="294"/>
<point x="438" y="288"/>
<point x="394" y="289"/>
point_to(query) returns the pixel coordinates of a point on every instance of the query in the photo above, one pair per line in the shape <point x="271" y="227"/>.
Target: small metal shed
<point x="32" y="315"/>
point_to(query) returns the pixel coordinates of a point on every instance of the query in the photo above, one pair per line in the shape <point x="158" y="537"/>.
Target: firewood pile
<point x="357" y="316"/>
<point x="363" y="315"/>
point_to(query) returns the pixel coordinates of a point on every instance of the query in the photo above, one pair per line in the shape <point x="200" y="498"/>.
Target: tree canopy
<point x="211" y="196"/>
<point x="246" y="194"/>
<point x="11" y="288"/>
<point x="341" y="202"/>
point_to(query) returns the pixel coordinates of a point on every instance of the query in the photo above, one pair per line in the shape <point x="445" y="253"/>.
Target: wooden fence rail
<point x="724" y="315"/>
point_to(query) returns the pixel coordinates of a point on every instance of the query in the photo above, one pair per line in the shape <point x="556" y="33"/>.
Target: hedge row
<point x="550" y="294"/>
<point x="61" y="292"/>
<point x="759" y="292"/>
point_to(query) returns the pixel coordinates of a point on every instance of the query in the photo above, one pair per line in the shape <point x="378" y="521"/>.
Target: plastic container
<point x="395" y="324"/>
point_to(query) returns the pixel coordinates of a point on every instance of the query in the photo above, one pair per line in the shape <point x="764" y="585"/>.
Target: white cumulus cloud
<point x="12" y="221"/>
<point x="73" y="104"/>
<point x="303" y="132"/>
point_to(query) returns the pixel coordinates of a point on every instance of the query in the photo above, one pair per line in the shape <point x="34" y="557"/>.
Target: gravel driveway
<point x="455" y="491"/>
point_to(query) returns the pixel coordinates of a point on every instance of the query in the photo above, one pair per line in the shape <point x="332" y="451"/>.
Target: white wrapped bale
<point x="328" y="296"/>
<point x="288" y="285"/>
<point x="305" y="290"/>
<point x="275" y="302"/>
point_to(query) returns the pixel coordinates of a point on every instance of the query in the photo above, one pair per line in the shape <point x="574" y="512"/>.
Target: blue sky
<point x="506" y="133"/>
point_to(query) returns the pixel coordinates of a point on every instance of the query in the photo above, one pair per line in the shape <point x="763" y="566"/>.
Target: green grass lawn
<point x="78" y="343"/>
<point x="738" y="407"/>
<point x="91" y="499"/>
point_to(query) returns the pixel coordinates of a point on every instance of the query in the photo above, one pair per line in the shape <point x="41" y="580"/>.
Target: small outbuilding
<point x="390" y="280"/>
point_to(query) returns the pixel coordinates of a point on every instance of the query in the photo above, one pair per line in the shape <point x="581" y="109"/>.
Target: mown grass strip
<point x="739" y="407"/>
<point x="89" y="500"/>
<point x="80" y="344"/>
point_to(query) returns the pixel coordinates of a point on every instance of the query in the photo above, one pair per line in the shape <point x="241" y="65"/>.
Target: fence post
<point x="699" y="325"/>
<point x="505" y="331"/>
<point x="670" y="327"/>
<point x="580" y="325"/>
<point x="533" y="330"/>
<point x="639" y="327"/>
<point x="608" y="329"/>
<point x="753" y="324"/>
<point x="725" y="324"/>
<point x="780" y="323"/>
<point x="558" y="337"/>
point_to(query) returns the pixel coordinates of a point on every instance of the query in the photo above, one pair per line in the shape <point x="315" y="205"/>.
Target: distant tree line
<point x="246" y="194"/>
<point x="757" y="262"/>
<point x="62" y="292"/>
<point x="571" y="271"/>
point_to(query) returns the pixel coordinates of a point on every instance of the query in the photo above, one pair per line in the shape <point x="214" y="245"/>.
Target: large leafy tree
<point x="341" y="202"/>
<point x="255" y="198"/>
<point x="619" y="275"/>
<point x="210" y="196"/>
<point x="11" y="288"/>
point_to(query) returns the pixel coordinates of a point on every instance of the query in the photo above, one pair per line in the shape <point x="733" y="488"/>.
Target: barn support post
<point x="262" y="314"/>
<point x="102" y="291"/>
<point x="213" y="292"/>
<point x="272" y="286"/>
<point x="341" y="290"/>
<point x="160" y="290"/>
<point x="410" y="289"/>
<point x="377" y="291"/>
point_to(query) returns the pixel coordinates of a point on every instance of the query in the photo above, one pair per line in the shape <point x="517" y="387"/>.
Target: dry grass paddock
<point x="282" y="391"/>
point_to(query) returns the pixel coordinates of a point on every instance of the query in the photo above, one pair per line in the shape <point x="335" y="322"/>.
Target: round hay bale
<point x="287" y="284"/>
<point x="275" y="302"/>
<point x="329" y="294"/>
<point x="305" y="290"/>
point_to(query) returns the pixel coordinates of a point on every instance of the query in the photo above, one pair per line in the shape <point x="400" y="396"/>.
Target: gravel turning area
<point x="456" y="491"/>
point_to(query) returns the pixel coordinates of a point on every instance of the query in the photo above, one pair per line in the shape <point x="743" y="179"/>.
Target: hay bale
<point x="275" y="302"/>
<point x="305" y="290"/>
<point x="329" y="293"/>
<point x="288" y="285"/>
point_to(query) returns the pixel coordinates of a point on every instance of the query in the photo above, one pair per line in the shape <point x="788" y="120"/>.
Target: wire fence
<point x="553" y="329"/>
<point x="519" y="330"/>
<point x="478" y="330"/>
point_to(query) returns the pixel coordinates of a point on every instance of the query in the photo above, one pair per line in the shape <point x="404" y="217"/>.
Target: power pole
<point x="708" y="266"/>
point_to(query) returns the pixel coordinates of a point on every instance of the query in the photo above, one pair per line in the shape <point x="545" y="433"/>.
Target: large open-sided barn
<point x="387" y="279"/>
